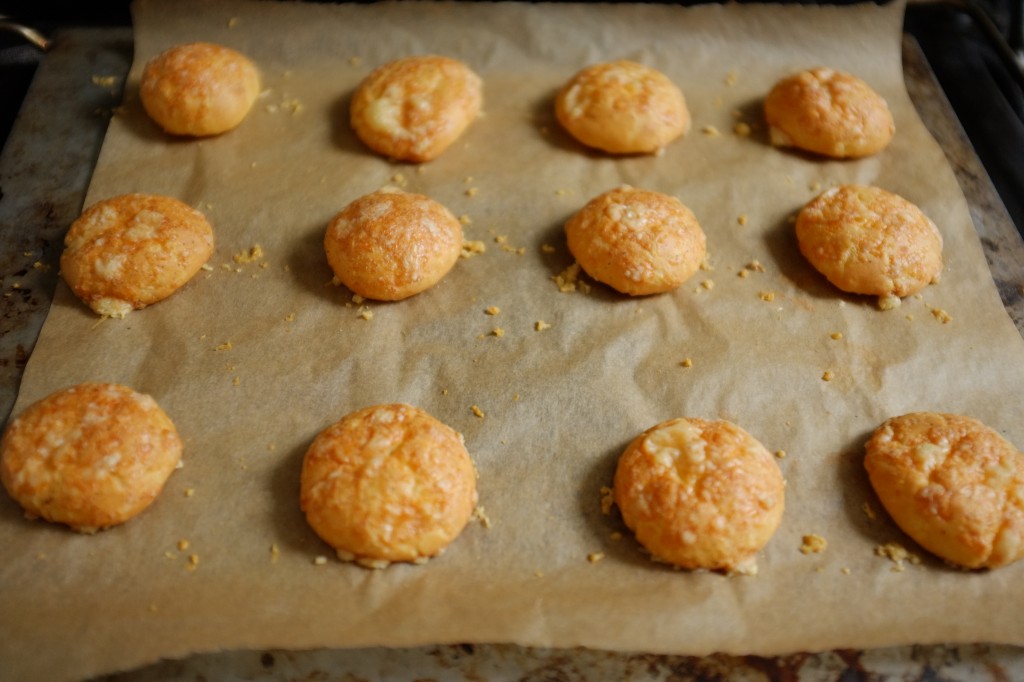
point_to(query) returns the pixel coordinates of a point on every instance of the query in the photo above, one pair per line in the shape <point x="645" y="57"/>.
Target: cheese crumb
<point x="730" y="78"/>
<point x="827" y="376"/>
<point x="547" y="248"/>
<point x="193" y="562"/>
<point x="813" y="544"/>
<point x="189" y="492"/>
<point x="465" y="219"/>
<point x="889" y="302"/>
<point x="710" y="131"/>
<point x="741" y="219"/>
<point x="472" y="248"/>
<point x="252" y="255"/>
<point x="767" y="296"/>
<point x="481" y="517"/>
<point x="275" y="553"/>
<point x="741" y="129"/>
<point x="594" y="557"/>
<point x="182" y="545"/>
<point x="844" y="570"/>
<point x="780" y="454"/>
<point x="568" y="279"/>
<point x="897" y="554"/>
<point x="498" y="332"/>
<point x="835" y="336"/>
<point x="687" y="362"/>
<point x="472" y="191"/>
<point x="365" y="314"/>
<point x="541" y="325"/>
<point x="492" y="310"/>
<point x="708" y="284"/>
<point x="477" y="412"/>
<point x="399" y="180"/>
<point x="941" y="315"/>
<point x="320" y="560"/>
<point x="869" y="511"/>
<point x="223" y="346"/>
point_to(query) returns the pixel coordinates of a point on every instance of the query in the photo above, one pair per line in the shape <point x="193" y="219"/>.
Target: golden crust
<point x="828" y="112"/>
<point x="390" y="245"/>
<point x="953" y="485"/>
<point x="132" y="250"/>
<point x="700" y="494"/>
<point x="636" y="241"/>
<point x="866" y="240"/>
<point x="199" y="89"/>
<point x="388" y="483"/>
<point x="412" y="109"/>
<point x="90" y="456"/>
<point x="622" y="107"/>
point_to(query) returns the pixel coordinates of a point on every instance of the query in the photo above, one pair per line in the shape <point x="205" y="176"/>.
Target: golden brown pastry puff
<point x="636" y="241"/>
<point x="622" y="107"/>
<point x="90" y="456"/>
<point x="867" y="240"/>
<point x="388" y="483"/>
<point x="390" y="244"/>
<point x="199" y="89"/>
<point x="412" y="109"/>
<point x="700" y="494"/>
<point x="133" y="250"/>
<point x="952" y="484"/>
<point x="828" y="112"/>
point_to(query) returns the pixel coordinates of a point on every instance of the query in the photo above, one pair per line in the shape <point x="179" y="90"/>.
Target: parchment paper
<point x="559" y="404"/>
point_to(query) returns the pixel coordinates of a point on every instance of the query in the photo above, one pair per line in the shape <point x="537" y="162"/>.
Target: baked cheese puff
<point x="390" y="245"/>
<point x="199" y="89"/>
<point x="828" y="112"/>
<point x="133" y="250"/>
<point x="700" y="494"/>
<point x="636" y="241"/>
<point x="622" y="107"/>
<point x="952" y="484"/>
<point x="90" y="456"/>
<point x="388" y="483"/>
<point x="867" y="240"/>
<point x="412" y="109"/>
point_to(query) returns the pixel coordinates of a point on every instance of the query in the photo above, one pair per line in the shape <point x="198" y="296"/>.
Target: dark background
<point x="973" y="46"/>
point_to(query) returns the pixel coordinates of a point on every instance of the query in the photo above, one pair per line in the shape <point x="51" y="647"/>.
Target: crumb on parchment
<point x="251" y="255"/>
<point x="869" y="511"/>
<point x="541" y="325"/>
<point x="897" y="554"/>
<point x="813" y="544"/>
<point x="480" y="515"/>
<point x="607" y="500"/>
<point x="595" y="557"/>
<point x="477" y="412"/>
<point x="687" y="363"/>
<point x="472" y="248"/>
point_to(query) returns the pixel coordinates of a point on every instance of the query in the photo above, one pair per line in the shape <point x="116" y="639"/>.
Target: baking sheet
<point x="559" y="404"/>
